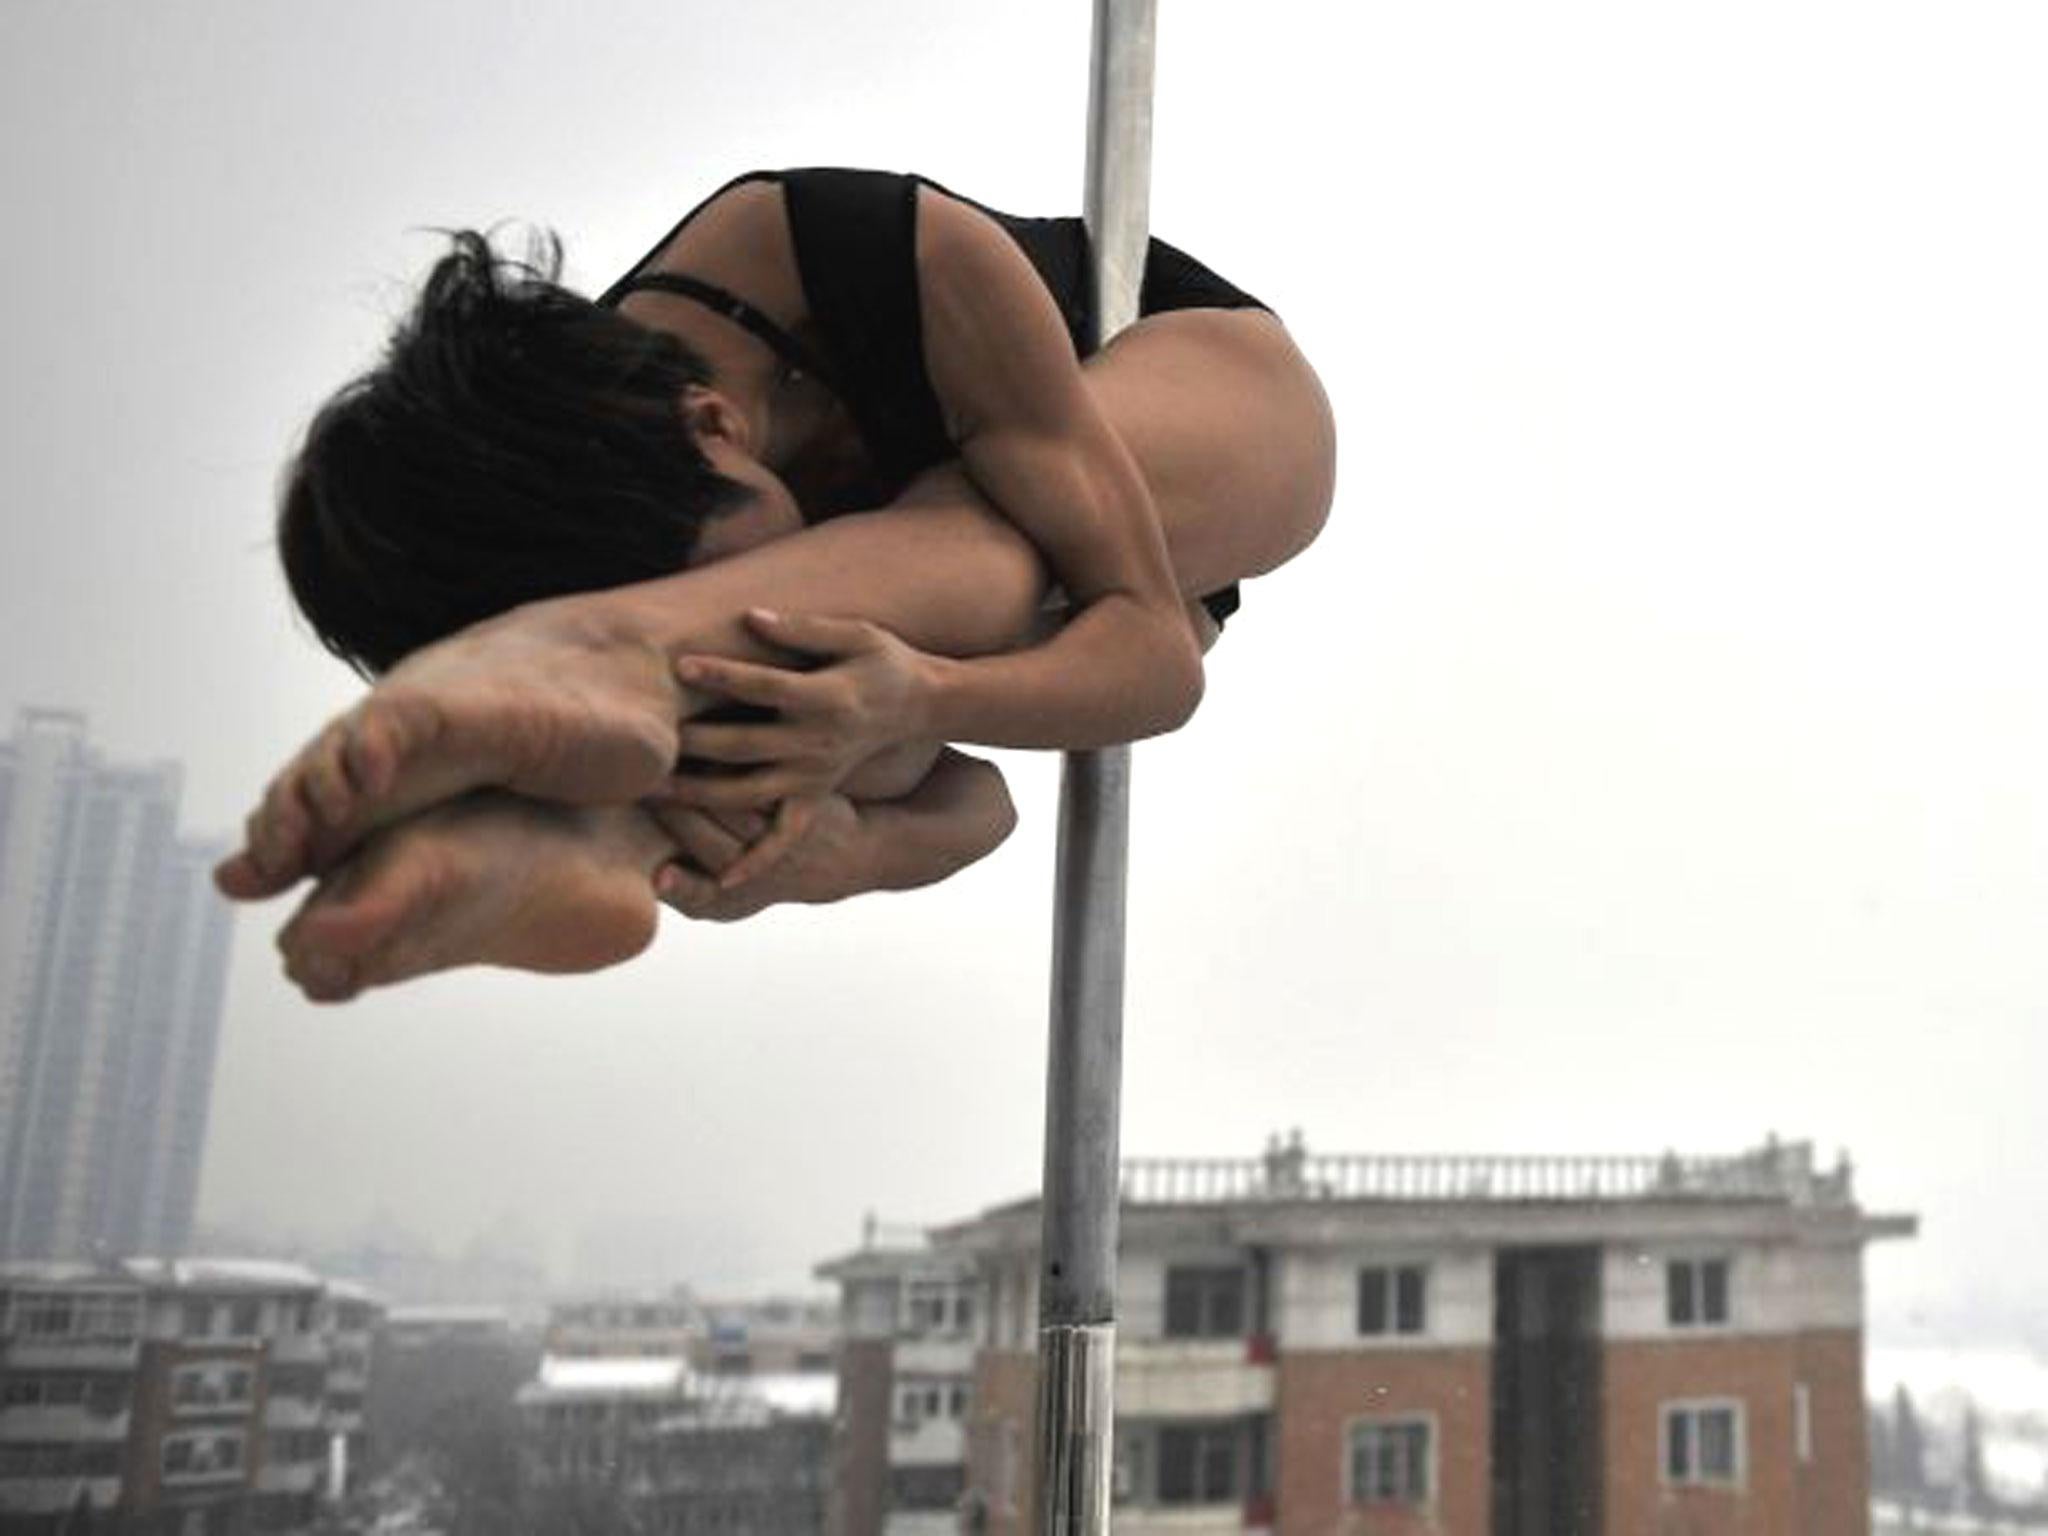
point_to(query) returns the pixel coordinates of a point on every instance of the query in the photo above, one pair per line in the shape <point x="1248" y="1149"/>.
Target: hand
<point x="736" y="864"/>
<point x="872" y="694"/>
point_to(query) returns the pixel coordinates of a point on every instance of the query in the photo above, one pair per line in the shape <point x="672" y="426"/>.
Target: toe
<point x="327" y="780"/>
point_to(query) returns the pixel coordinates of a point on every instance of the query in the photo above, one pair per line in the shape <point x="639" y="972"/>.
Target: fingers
<point x="744" y="743"/>
<point x="793" y="820"/>
<point x="697" y="897"/>
<point x="746" y="682"/>
<point x="701" y="840"/>
<point x="754" y="791"/>
<point x="811" y="634"/>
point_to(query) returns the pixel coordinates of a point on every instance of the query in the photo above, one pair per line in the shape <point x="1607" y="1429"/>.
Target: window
<point x="75" y="1315"/>
<point x="1390" y="1461"/>
<point x="918" y="1400"/>
<point x="937" y="1487"/>
<point x="197" y="1388"/>
<point x="195" y="1319"/>
<point x="202" y="1455"/>
<point x="246" y="1319"/>
<point x="1392" y="1300"/>
<point x="1696" y="1292"/>
<point x="1802" y="1422"/>
<point x="1205" y="1303"/>
<point x="1703" y="1443"/>
<point x="940" y="1306"/>
<point x="1198" y="1464"/>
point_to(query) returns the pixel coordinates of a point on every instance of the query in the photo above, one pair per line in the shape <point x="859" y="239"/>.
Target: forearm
<point x="1113" y="673"/>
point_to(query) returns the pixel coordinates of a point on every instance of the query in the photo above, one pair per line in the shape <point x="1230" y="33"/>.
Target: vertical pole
<point x="1077" y="1248"/>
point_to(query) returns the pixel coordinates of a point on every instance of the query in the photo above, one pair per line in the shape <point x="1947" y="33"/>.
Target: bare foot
<point x="489" y="879"/>
<point x="540" y="701"/>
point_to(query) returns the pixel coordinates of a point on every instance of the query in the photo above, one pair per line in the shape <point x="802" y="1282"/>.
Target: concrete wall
<point x="1317" y="1302"/>
<point x="1775" y="1288"/>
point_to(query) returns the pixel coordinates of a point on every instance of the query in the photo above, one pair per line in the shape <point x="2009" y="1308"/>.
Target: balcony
<point x="923" y="1522"/>
<point x="937" y="1355"/>
<point x="298" y="1349"/>
<point x="214" y="1406"/>
<point x="21" y="1354"/>
<point x="1180" y="1520"/>
<point x="290" y="1477"/>
<point x="1190" y="1379"/>
<point x="935" y="1442"/>
<point x="204" y="1477"/>
<point x="66" y="1422"/>
<point x="57" y="1495"/>
<point x="294" y="1413"/>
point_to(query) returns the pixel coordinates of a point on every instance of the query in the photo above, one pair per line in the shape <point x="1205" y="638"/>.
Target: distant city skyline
<point x="113" y="965"/>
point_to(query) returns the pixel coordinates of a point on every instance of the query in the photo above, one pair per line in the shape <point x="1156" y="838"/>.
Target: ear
<point x="710" y="417"/>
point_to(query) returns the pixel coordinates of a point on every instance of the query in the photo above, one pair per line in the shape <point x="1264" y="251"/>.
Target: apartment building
<point x="1310" y="1345"/>
<point x="183" y="1397"/>
<point x="756" y="1336"/>
<point x="652" y="1445"/>
<point x="911" y="1332"/>
<point x="113" y="962"/>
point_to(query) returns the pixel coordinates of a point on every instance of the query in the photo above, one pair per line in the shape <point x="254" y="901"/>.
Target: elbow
<point x="999" y="811"/>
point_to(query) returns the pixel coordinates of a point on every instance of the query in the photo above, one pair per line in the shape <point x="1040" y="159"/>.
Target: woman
<point x="825" y="340"/>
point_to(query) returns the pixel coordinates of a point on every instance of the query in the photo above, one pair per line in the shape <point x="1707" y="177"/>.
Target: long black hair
<point x="517" y="441"/>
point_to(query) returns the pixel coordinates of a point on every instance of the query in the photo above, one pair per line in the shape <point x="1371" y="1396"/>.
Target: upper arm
<point x="1016" y="403"/>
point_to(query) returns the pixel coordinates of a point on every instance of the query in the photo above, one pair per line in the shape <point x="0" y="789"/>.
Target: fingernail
<point x="667" y="882"/>
<point x="765" y="615"/>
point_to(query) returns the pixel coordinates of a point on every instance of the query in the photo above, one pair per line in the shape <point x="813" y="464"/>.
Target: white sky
<point x="1649" y="754"/>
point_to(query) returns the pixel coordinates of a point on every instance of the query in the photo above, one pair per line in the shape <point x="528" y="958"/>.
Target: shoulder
<point x="750" y="204"/>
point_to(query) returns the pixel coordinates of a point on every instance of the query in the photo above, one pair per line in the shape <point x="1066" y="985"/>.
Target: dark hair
<point x="516" y="442"/>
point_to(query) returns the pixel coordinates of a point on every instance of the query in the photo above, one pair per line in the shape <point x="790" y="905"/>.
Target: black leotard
<point x="855" y="234"/>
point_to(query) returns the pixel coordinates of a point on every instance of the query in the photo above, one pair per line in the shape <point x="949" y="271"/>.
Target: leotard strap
<point x="796" y="356"/>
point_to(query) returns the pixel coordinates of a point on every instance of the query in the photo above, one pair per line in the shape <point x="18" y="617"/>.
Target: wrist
<point x="935" y="710"/>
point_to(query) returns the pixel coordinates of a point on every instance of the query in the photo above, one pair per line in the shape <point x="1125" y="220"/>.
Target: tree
<point x="1909" y="1452"/>
<point x="1978" y="1501"/>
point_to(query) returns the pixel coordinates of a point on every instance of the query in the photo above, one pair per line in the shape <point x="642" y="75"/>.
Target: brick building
<point x="186" y="1397"/>
<point x="1364" y="1345"/>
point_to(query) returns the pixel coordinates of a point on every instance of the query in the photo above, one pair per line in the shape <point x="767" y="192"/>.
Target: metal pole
<point x="1077" y="1248"/>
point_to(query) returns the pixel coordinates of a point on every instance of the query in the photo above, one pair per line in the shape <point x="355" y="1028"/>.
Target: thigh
<point x="1232" y="432"/>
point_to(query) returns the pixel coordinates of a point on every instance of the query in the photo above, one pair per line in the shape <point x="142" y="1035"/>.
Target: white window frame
<point x="1693" y="1408"/>
<point x="1210" y="1277"/>
<point x="1210" y="1430"/>
<point x="1432" y="1450"/>
<point x="1802" y="1423"/>
<point x="1697" y="1263"/>
<point x="1393" y="1273"/>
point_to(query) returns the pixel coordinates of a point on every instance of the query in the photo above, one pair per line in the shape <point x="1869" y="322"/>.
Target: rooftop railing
<point x="1781" y="1172"/>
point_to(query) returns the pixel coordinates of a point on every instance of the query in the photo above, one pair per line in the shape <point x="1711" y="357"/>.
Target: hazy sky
<point x="1650" y="754"/>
